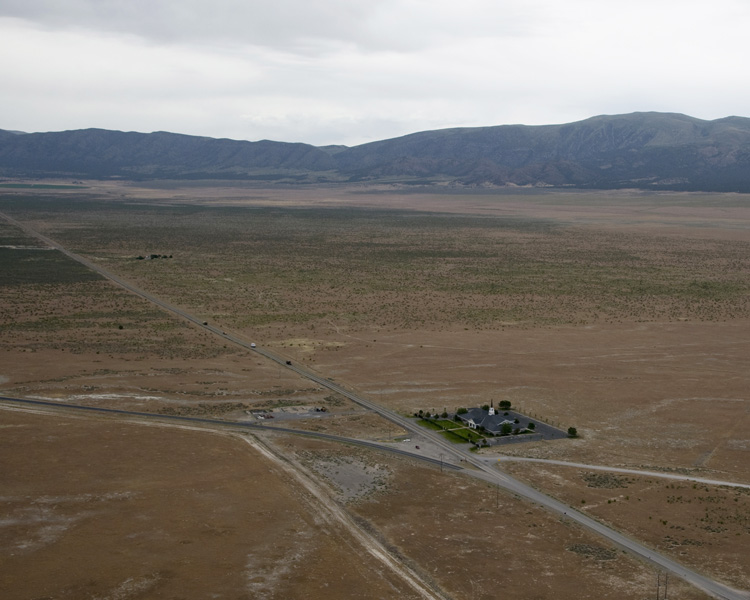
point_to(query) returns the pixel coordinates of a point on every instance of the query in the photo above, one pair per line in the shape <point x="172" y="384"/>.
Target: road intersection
<point x="460" y="456"/>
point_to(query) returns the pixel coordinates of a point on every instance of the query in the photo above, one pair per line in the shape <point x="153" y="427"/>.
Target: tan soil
<point x="472" y="540"/>
<point x="659" y="385"/>
<point x="704" y="527"/>
<point x="100" y="509"/>
<point x="666" y="395"/>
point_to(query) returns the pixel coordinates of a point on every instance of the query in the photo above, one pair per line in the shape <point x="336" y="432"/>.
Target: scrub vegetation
<point x="378" y="268"/>
<point x="626" y="315"/>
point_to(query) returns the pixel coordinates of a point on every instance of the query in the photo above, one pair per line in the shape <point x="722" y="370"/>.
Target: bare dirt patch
<point x="470" y="539"/>
<point x="352" y="475"/>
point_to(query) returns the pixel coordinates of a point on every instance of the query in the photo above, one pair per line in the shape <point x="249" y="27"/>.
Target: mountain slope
<point x="641" y="149"/>
<point x="102" y="153"/>
<point x="646" y="150"/>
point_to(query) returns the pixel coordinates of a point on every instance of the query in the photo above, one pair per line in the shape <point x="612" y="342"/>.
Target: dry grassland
<point x="705" y="527"/>
<point x="626" y="315"/>
<point x="68" y="335"/>
<point x="474" y="542"/>
<point x="99" y="509"/>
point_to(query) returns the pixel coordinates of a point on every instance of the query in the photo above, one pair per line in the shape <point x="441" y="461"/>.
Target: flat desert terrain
<point x="623" y="314"/>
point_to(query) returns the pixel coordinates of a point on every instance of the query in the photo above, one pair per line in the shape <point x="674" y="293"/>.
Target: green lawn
<point x="430" y="425"/>
<point x="452" y="431"/>
<point x="461" y="436"/>
<point x="448" y="424"/>
<point x="440" y="424"/>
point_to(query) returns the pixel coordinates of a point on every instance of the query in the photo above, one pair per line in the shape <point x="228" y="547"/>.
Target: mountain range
<point x="639" y="150"/>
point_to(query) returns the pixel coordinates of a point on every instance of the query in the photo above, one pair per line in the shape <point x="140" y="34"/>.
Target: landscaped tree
<point x="504" y="404"/>
<point x="445" y="414"/>
<point x="486" y="407"/>
<point x="572" y="432"/>
<point x="506" y="429"/>
<point x="462" y="411"/>
<point x="531" y="426"/>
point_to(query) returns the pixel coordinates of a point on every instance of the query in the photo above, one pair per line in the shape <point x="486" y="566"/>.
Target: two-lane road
<point x="509" y="483"/>
<point x="482" y="470"/>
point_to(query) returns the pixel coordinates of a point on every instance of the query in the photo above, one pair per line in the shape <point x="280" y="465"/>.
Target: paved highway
<point x="505" y="481"/>
<point x="483" y="471"/>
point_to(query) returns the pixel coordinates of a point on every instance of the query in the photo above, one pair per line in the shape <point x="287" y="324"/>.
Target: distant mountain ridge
<point x="641" y="150"/>
<point x="99" y="153"/>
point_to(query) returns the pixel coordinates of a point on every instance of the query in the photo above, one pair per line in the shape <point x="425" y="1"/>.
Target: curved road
<point x="483" y="471"/>
<point x="242" y="425"/>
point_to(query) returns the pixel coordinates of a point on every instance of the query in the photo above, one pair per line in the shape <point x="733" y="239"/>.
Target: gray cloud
<point x="345" y="71"/>
<point x="293" y="25"/>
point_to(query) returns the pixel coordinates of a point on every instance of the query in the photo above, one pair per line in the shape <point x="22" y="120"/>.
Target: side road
<point x="675" y="476"/>
<point x="367" y="545"/>
<point x="484" y="471"/>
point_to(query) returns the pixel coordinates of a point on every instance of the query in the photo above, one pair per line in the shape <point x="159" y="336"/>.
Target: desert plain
<point x="623" y="314"/>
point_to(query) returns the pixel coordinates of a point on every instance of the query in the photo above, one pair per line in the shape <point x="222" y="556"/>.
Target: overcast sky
<point x="353" y="71"/>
